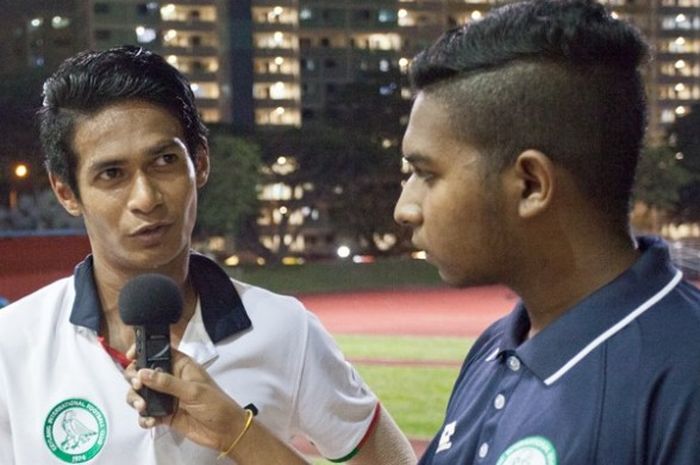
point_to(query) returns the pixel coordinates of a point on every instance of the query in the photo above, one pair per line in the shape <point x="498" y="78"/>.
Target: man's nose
<point x="407" y="211"/>
<point x="145" y="195"/>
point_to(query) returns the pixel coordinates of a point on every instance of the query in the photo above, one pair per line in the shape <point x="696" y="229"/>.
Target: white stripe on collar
<point x="614" y="329"/>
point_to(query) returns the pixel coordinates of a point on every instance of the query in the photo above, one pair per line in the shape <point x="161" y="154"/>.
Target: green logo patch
<point x="533" y="450"/>
<point x="75" y="430"/>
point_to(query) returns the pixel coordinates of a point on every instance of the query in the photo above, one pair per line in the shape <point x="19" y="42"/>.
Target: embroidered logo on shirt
<point x="533" y="450"/>
<point x="75" y="430"/>
<point x="446" y="437"/>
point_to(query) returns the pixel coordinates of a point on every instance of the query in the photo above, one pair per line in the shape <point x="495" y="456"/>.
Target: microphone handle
<point x="153" y="351"/>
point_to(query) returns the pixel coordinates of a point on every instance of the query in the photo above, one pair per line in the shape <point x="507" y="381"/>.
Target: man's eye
<point x="110" y="173"/>
<point x="166" y="159"/>
<point x="424" y="175"/>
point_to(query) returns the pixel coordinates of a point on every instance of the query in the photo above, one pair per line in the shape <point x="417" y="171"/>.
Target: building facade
<point x="266" y="64"/>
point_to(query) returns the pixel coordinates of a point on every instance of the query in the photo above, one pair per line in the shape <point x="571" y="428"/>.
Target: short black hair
<point x="87" y="82"/>
<point x="559" y="76"/>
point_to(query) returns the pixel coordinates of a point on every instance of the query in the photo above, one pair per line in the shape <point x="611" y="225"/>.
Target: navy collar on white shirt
<point x="222" y="309"/>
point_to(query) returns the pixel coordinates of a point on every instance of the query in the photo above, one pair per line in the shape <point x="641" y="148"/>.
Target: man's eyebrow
<point x="162" y="146"/>
<point x="116" y="161"/>
<point x="103" y="164"/>
<point x="415" y="158"/>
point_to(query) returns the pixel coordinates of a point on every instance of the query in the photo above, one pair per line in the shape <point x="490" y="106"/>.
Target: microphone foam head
<point x="150" y="298"/>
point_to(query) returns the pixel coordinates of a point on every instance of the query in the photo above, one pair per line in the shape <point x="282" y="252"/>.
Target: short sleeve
<point x="334" y="407"/>
<point x="673" y="423"/>
<point x="6" y="446"/>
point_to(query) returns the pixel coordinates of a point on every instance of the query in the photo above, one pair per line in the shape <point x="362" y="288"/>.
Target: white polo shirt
<point x="62" y="397"/>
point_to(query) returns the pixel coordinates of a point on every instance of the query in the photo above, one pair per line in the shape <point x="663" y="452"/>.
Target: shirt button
<point x="483" y="450"/>
<point x="513" y="363"/>
<point x="499" y="402"/>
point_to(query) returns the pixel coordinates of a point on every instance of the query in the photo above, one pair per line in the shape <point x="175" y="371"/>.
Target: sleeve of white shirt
<point x="334" y="407"/>
<point x="6" y="450"/>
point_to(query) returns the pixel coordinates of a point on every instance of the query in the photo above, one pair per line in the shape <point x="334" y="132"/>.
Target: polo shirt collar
<point x="223" y="313"/>
<point x="568" y="339"/>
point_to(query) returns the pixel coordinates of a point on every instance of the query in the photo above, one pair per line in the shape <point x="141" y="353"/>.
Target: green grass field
<point x="340" y="275"/>
<point x="415" y="396"/>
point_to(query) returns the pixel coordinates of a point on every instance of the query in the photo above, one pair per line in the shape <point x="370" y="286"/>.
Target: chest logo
<point x="533" y="450"/>
<point x="446" y="437"/>
<point x="75" y="430"/>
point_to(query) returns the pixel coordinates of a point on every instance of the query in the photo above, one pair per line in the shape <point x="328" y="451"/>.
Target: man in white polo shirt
<point x="126" y="150"/>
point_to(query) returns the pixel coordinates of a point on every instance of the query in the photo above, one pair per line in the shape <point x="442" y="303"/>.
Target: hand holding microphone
<point x="151" y="303"/>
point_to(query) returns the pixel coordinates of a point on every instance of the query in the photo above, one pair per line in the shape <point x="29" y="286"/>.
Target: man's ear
<point x="201" y="163"/>
<point x="535" y="175"/>
<point x="65" y="195"/>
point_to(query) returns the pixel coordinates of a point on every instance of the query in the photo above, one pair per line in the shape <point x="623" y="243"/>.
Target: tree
<point x="373" y="105"/>
<point x="344" y="174"/>
<point x="685" y="139"/>
<point x="659" y="182"/>
<point x="660" y="178"/>
<point x="229" y="196"/>
<point x="19" y="100"/>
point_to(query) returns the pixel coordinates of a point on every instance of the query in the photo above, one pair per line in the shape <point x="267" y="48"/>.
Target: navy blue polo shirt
<point x="615" y="380"/>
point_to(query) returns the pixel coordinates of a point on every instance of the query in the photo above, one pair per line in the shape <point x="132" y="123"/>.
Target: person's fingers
<point x="182" y="363"/>
<point x="136" y="383"/>
<point x="147" y="422"/>
<point x="130" y="372"/>
<point x="135" y="400"/>
<point x="166" y="383"/>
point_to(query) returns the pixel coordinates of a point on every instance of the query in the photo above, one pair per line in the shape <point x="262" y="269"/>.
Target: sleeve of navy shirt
<point x="671" y="418"/>
<point x="662" y="390"/>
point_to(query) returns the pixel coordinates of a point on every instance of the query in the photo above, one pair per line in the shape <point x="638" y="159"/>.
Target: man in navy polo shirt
<point x="523" y="141"/>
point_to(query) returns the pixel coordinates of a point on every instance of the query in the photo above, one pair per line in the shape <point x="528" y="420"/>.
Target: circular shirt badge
<point x="75" y="430"/>
<point x="533" y="450"/>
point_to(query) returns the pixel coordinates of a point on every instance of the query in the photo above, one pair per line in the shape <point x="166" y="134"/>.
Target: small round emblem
<point x="75" y="430"/>
<point x="533" y="450"/>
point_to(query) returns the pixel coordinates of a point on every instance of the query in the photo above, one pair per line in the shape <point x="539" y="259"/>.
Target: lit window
<point x="145" y="35"/>
<point x="305" y="14"/>
<point x="386" y="16"/>
<point x="278" y="91"/>
<point x="167" y="12"/>
<point x="208" y="90"/>
<point x="170" y="36"/>
<point x="60" y="22"/>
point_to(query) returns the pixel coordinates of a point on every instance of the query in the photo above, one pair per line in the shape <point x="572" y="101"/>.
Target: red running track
<point x="427" y="312"/>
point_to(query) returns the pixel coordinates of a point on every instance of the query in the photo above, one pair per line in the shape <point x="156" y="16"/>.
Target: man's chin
<point x="462" y="281"/>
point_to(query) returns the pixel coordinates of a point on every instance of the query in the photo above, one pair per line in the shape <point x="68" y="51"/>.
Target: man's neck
<point x="109" y="283"/>
<point x="567" y="275"/>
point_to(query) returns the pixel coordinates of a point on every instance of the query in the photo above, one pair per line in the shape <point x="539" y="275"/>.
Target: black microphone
<point x="151" y="303"/>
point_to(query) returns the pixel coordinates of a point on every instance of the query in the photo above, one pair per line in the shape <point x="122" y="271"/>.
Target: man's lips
<point x="149" y="229"/>
<point x="151" y="235"/>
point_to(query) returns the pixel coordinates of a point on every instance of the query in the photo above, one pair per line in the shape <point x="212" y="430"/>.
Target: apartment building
<point x="260" y="64"/>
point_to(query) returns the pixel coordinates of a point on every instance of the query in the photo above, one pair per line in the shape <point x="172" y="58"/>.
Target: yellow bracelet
<point x="248" y="421"/>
